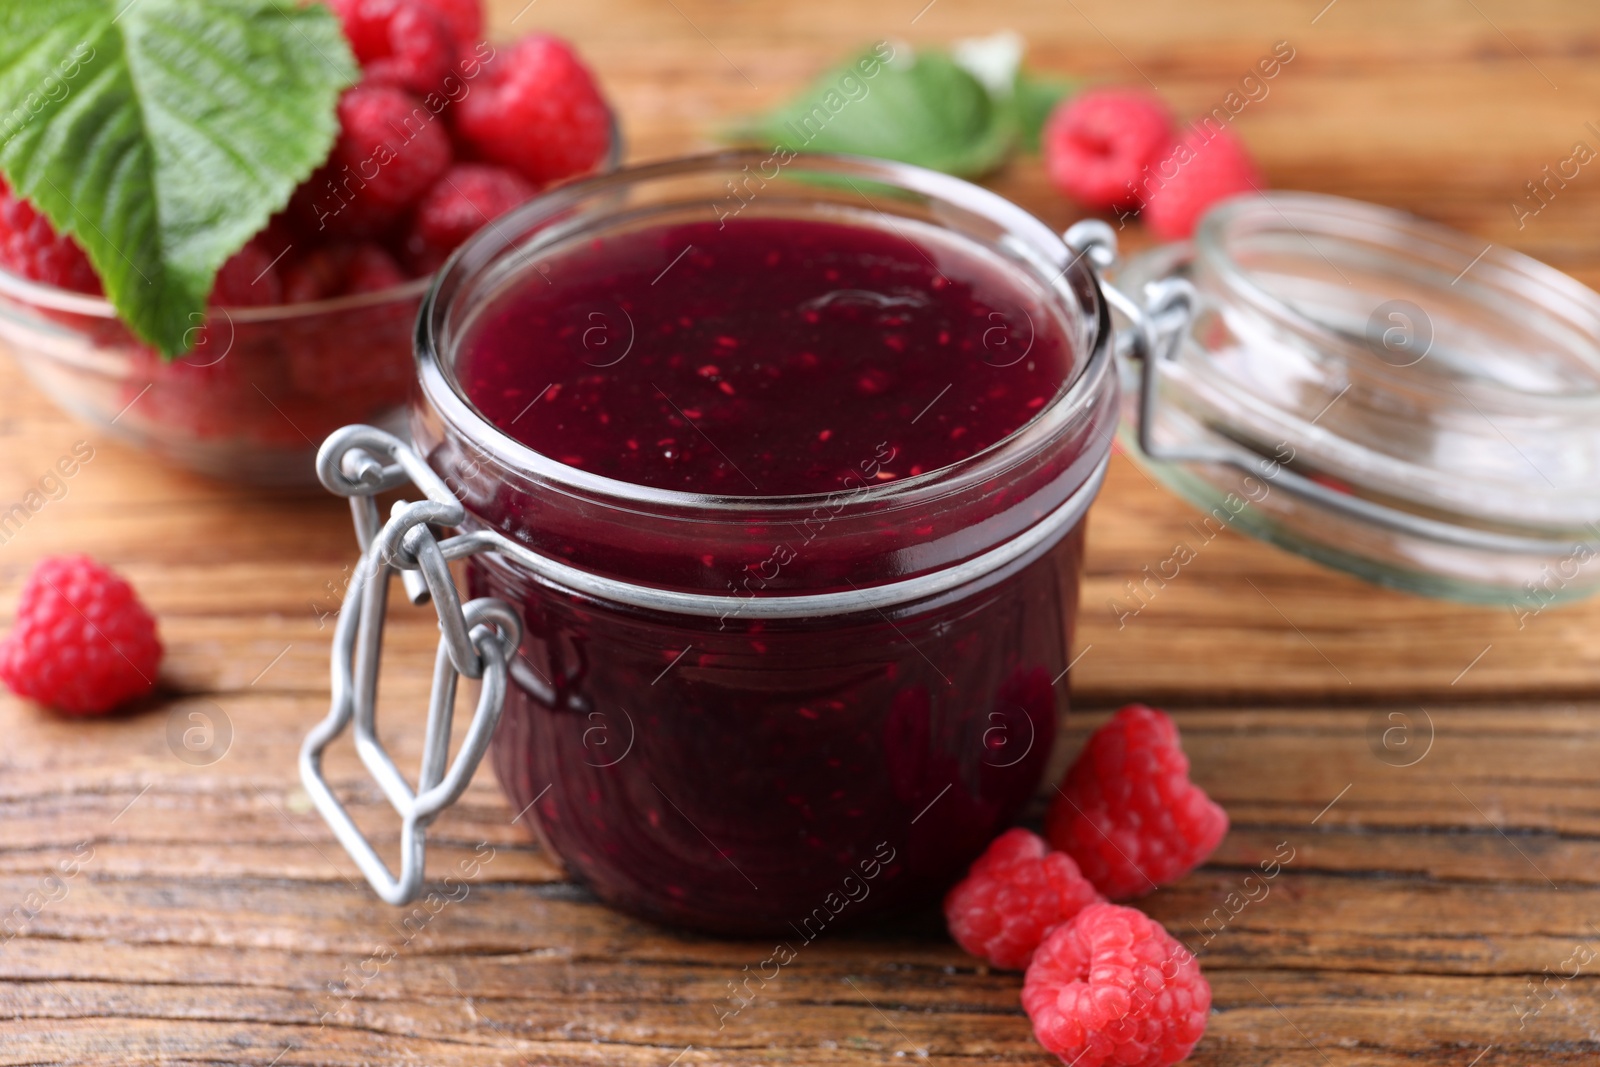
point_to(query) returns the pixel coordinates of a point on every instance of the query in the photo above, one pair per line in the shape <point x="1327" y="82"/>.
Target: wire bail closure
<point x="477" y="640"/>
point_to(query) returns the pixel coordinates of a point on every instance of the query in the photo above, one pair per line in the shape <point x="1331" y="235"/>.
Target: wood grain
<point x="1440" y="875"/>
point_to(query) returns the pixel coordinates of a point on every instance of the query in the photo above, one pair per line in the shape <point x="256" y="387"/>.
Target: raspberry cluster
<point x="1105" y="984"/>
<point x="1116" y="149"/>
<point x="443" y="134"/>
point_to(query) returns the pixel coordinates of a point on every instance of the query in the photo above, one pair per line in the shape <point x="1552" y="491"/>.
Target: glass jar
<point x="1379" y="393"/>
<point x="758" y="714"/>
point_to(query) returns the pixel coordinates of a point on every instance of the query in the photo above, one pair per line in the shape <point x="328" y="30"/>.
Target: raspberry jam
<point x="810" y="479"/>
<point x="764" y="357"/>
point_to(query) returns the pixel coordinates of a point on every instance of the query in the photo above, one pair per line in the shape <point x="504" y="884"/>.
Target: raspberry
<point x="1204" y="169"/>
<point x="318" y="275"/>
<point x="30" y="246"/>
<point x="249" y="278"/>
<point x="390" y="150"/>
<point x="371" y="269"/>
<point x="536" y="109"/>
<point x="1127" y="811"/>
<point x="467" y="198"/>
<point x="82" y="642"/>
<point x="463" y="17"/>
<point x="340" y="269"/>
<point x="407" y="44"/>
<point x="1113" y="987"/>
<point x="1098" y="143"/>
<point x="1015" y="894"/>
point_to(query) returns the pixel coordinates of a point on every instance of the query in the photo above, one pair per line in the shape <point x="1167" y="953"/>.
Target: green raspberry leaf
<point x="923" y="108"/>
<point x="163" y="134"/>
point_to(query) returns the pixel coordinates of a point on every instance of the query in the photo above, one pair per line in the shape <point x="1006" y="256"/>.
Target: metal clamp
<point x="1160" y="325"/>
<point x="477" y="640"/>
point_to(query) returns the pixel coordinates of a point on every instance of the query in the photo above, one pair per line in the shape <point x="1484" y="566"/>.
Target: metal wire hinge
<point x="1159" y="325"/>
<point x="477" y="640"/>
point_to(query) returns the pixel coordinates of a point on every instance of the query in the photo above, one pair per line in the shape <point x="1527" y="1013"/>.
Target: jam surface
<point x="765" y="357"/>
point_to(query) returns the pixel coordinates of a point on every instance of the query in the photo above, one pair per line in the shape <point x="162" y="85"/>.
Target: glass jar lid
<point x="1378" y="392"/>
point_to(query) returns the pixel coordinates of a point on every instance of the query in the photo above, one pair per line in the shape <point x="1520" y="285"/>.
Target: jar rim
<point x="55" y="298"/>
<point x="1091" y="374"/>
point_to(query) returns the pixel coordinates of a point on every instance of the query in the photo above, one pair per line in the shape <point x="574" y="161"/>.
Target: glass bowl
<point x="257" y="393"/>
<point x="253" y="398"/>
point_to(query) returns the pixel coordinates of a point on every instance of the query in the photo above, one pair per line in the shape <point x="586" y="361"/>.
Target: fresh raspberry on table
<point x="408" y="44"/>
<point x="1127" y="811"/>
<point x="340" y="269"/>
<point x="467" y="198"/>
<point x="1113" y="987"/>
<point x="390" y="150"/>
<point x="1098" y="143"/>
<point x="1015" y="894"/>
<point x="1204" y="167"/>
<point x="30" y="246"/>
<point x="82" y="642"/>
<point x="536" y="108"/>
<point x="249" y="278"/>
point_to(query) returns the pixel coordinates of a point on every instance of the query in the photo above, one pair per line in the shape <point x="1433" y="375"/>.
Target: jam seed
<point x="873" y="382"/>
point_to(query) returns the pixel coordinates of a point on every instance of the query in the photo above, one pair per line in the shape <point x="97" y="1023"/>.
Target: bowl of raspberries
<point x="308" y="327"/>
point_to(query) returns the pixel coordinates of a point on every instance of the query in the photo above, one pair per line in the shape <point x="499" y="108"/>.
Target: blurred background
<point x="1442" y="107"/>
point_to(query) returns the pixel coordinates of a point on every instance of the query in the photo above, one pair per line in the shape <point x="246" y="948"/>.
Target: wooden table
<point x="1431" y="912"/>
